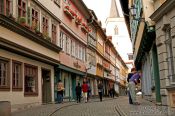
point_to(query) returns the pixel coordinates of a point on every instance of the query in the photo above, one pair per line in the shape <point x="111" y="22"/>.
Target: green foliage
<point x="22" y="20"/>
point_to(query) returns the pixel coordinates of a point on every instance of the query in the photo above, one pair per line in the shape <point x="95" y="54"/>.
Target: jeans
<point x="132" y="92"/>
<point x="130" y="100"/>
<point x="100" y="95"/>
<point x="59" y="97"/>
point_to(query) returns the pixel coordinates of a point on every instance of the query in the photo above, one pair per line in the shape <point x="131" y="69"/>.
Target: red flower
<point x="79" y="19"/>
<point x="67" y="7"/>
<point x="83" y="24"/>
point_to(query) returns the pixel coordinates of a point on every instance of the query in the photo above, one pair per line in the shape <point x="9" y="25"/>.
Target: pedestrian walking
<point x="85" y="90"/>
<point x="133" y="81"/>
<point x="112" y="91"/>
<point x="89" y="91"/>
<point x="60" y="90"/>
<point x="100" y="90"/>
<point x="133" y="71"/>
<point x="78" y="93"/>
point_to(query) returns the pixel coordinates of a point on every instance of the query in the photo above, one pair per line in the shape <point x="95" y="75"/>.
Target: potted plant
<point x="22" y="21"/>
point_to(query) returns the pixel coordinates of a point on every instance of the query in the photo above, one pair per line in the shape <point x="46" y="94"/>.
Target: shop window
<point x="16" y="75"/>
<point x="4" y="74"/>
<point x="30" y="80"/>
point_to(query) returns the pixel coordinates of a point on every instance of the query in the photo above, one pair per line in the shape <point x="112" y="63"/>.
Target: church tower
<point x="116" y="27"/>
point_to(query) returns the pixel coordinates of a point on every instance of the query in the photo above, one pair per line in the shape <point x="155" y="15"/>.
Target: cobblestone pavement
<point x="108" y="107"/>
<point x="95" y="108"/>
<point x="92" y="108"/>
<point x="145" y="108"/>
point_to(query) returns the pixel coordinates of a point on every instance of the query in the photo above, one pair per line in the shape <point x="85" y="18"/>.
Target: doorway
<point x="73" y="86"/>
<point x="46" y="86"/>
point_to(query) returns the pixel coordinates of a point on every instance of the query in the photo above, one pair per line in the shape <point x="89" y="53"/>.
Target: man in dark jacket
<point x="78" y="92"/>
<point x="100" y="90"/>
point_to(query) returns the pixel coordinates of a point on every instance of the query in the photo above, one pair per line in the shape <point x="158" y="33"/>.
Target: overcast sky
<point x="101" y="8"/>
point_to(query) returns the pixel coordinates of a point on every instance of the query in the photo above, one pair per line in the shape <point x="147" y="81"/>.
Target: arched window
<point x="116" y="30"/>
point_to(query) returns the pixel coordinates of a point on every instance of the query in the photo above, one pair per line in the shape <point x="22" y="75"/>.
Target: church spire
<point x="114" y="10"/>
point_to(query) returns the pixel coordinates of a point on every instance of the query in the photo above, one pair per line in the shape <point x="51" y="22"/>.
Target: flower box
<point x="78" y="20"/>
<point x="66" y="7"/>
<point x="68" y="13"/>
<point x="84" y="29"/>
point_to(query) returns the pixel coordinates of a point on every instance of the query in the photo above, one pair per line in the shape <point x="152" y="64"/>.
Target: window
<point x="45" y="26"/>
<point x="5" y="7"/>
<point x="64" y="42"/>
<point x="169" y="54"/>
<point x="54" y="33"/>
<point x="61" y="39"/>
<point x="22" y="8"/>
<point x="100" y="41"/>
<point x="76" y="50"/>
<point x="16" y="75"/>
<point x="116" y="30"/>
<point x="73" y="48"/>
<point x="67" y="45"/>
<point x="83" y="53"/>
<point x="1" y="6"/>
<point x="4" y="74"/>
<point x="30" y="80"/>
<point x="80" y="52"/>
<point x="35" y="18"/>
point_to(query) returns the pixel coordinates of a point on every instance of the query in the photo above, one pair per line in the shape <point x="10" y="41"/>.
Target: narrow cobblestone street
<point x="108" y="107"/>
<point x="93" y="108"/>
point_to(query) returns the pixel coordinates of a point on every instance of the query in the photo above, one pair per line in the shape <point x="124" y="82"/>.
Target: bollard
<point x="5" y="108"/>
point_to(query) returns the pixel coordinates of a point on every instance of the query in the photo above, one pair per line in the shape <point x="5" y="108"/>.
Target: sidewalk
<point x="146" y="108"/>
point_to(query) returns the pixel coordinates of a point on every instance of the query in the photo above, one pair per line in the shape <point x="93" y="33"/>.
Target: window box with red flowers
<point x="73" y="13"/>
<point x="68" y="11"/>
<point x="84" y="27"/>
<point x="78" y="20"/>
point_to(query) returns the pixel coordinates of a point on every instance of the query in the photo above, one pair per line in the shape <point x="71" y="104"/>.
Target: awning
<point x="145" y="45"/>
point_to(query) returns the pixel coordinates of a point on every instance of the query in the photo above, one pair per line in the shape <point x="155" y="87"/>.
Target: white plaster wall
<point x="121" y="41"/>
<point x="25" y="42"/>
<point x="52" y="7"/>
<point x="17" y="97"/>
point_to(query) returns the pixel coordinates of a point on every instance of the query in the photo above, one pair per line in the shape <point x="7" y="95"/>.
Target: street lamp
<point x="133" y="14"/>
<point x="133" y="11"/>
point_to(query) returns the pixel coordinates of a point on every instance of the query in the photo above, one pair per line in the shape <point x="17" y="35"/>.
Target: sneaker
<point x="136" y="103"/>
